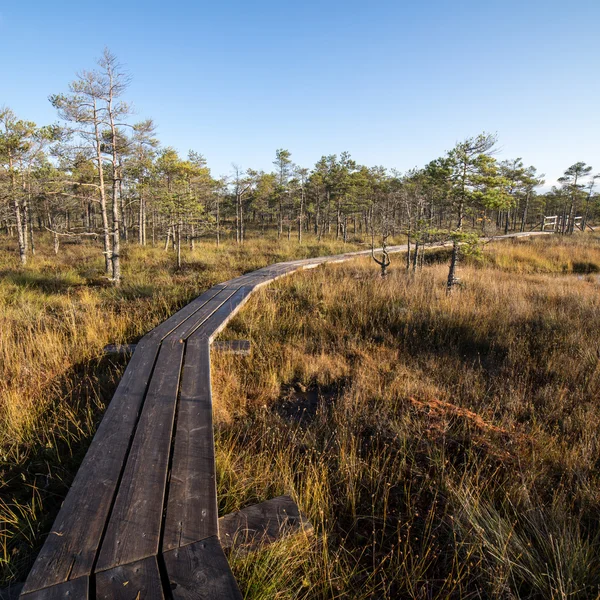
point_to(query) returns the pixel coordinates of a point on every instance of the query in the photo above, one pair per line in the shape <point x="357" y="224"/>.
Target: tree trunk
<point x="26" y="219"/>
<point x="241" y="220"/>
<point x="571" y="222"/>
<point x="124" y="231"/>
<point x="31" y="239"/>
<point x="301" y="216"/>
<point x="103" y="209"/>
<point x="153" y="228"/>
<point x="29" y="218"/>
<point x="452" y="271"/>
<point x="416" y="255"/>
<point x="179" y="245"/>
<point x="525" y="209"/>
<point x="116" y="259"/>
<point x="20" y="232"/>
<point x="141" y="219"/>
<point x="218" y="232"/>
<point x="317" y="213"/>
<point x="280" y="219"/>
<point x="18" y="217"/>
<point x="586" y="212"/>
<point x="237" y="218"/>
<point x="116" y="212"/>
<point x="168" y="238"/>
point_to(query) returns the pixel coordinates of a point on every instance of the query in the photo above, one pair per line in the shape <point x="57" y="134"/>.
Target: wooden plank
<point x="250" y="281"/>
<point x="247" y="279"/>
<point x="199" y="317"/>
<point x="75" y="589"/>
<point x="192" y="511"/>
<point x="283" y="271"/>
<point x="71" y="547"/>
<point x="218" y="321"/>
<point x="162" y="330"/>
<point x="200" y="571"/>
<point x="137" y="581"/>
<point x="241" y="347"/>
<point x="134" y="528"/>
<point x="262" y="523"/>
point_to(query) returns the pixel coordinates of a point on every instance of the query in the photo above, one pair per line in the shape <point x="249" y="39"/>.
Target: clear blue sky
<point x="395" y="83"/>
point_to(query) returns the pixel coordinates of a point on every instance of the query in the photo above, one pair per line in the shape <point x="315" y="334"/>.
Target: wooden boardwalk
<point x="140" y="521"/>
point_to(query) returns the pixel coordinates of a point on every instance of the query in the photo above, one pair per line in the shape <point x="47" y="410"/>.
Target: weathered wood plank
<point x="262" y="523"/>
<point x="137" y="581"/>
<point x="71" y="547"/>
<point x="134" y="527"/>
<point x="162" y="330"/>
<point x="75" y="589"/>
<point x="200" y="316"/>
<point x="192" y="511"/>
<point x="218" y="321"/>
<point x="200" y="571"/>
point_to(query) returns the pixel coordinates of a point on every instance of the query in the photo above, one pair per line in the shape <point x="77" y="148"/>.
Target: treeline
<point x="101" y="175"/>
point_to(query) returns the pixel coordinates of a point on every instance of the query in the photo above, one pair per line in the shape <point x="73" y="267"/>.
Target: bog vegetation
<point x="56" y="316"/>
<point x="443" y="447"/>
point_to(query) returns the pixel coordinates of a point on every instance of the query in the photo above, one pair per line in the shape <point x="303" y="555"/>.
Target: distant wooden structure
<point x="140" y="521"/>
<point x="550" y="222"/>
<point x="560" y="224"/>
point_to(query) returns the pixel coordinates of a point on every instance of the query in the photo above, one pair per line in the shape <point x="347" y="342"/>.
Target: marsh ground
<point x="442" y="446"/>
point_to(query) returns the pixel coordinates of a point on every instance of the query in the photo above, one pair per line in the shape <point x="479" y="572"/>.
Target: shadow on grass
<point x="57" y="284"/>
<point x="47" y="283"/>
<point x="298" y="404"/>
<point x="36" y="477"/>
<point x="585" y="268"/>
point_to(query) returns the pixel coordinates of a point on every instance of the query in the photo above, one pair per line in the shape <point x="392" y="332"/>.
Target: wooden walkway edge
<point x="141" y="518"/>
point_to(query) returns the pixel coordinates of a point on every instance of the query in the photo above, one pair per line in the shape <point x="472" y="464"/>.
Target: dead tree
<point x="384" y="214"/>
<point x="385" y="261"/>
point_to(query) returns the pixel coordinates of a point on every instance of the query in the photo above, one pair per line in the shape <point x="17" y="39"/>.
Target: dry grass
<point x="56" y="315"/>
<point x="442" y="447"/>
<point x="553" y="254"/>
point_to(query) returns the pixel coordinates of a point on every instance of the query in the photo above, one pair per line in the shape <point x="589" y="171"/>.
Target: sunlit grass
<point x="452" y="449"/>
<point x="443" y="447"/>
